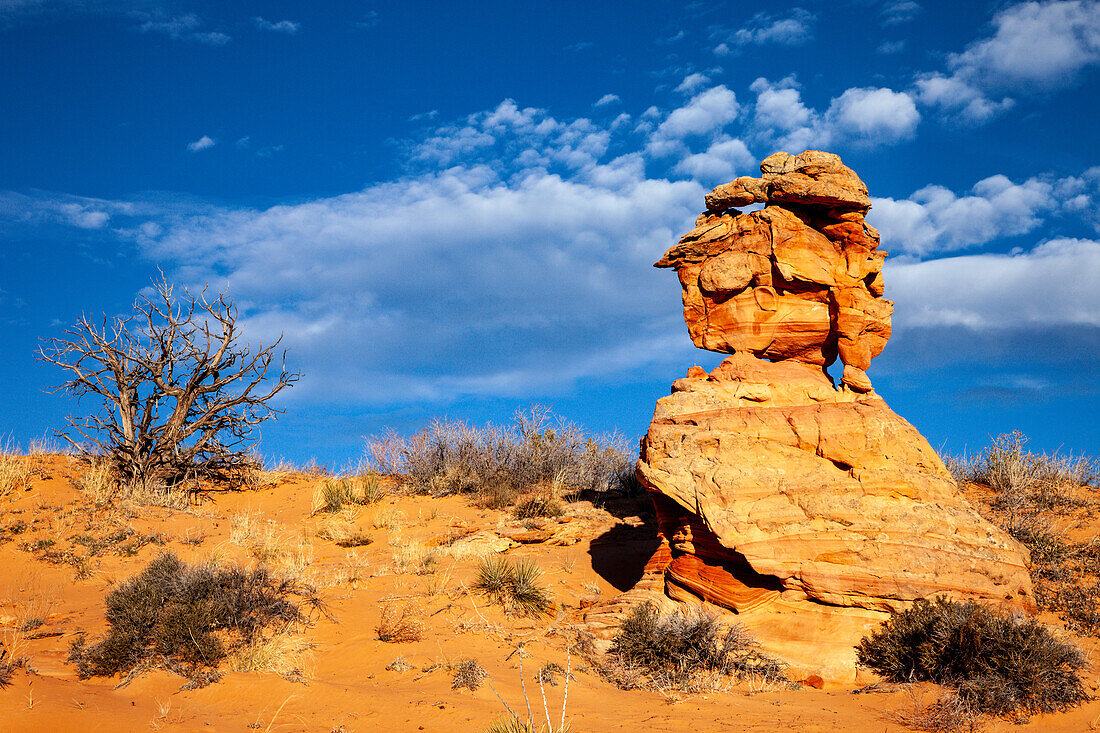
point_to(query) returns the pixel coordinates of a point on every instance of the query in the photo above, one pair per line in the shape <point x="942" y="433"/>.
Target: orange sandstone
<point x="807" y="509"/>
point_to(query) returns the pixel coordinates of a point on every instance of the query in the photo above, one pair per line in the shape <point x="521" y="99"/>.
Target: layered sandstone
<point x="806" y="508"/>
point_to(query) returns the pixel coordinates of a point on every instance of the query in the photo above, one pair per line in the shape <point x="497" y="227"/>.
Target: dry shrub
<point x="1024" y="482"/>
<point x="467" y="674"/>
<point x="97" y="483"/>
<point x="537" y="506"/>
<point x="997" y="664"/>
<point x="947" y="713"/>
<point x="537" y="450"/>
<point x="399" y="623"/>
<point x="514" y="586"/>
<point x="189" y="618"/>
<point x="1029" y="492"/>
<point x="15" y="474"/>
<point x="343" y="530"/>
<point x="282" y="652"/>
<point x="675" y="649"/>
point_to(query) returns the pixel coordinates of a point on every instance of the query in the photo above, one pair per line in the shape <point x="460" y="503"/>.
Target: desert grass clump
<point x="344" y="531"/>
<point x="501" y="462"/>
<point x="399" y="623"/>
<point x="1028" y="494"/>
<point x="98" y="483"/>
<point x="674" y="649"/>
<point x="282" y="652"/>
<point x="15" y="474"/>
<point x="515" y="586"/>
<point x="332" y="495"/>
<point x="996" y="664"/>
<point x="537" y="507"/>
<point x="467" y="674"/>
<point x="1023" y="482"/>
<point x="189" y="618"/>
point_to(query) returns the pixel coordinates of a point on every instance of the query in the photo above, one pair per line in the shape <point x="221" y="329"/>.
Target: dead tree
<point x="180" y="393"/>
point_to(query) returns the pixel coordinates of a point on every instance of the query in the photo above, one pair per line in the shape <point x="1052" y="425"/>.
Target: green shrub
<point x="997" y="664"/>
<point x="188" y="618"/>
<point x="514" y="586"/>
<point x="675" y="647"/>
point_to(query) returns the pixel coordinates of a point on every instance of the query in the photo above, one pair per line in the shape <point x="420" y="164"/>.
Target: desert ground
<point x="64" y="547"/>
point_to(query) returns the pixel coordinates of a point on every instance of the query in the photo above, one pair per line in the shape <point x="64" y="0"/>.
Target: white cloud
<point x="606" y="100"/>
<point x="707" y="113"/>
<point x="180" y="27"/>
<point x="202" y="143"/>
<point x="874" y="116"/>
<point x="692" y="82"/>
<point x="957" y="97"/>
<point x="723" y="161"/>
<point x="440" y="275"/>
<point x="890" y="47"/>
<point x="934" y="219"/>
<point x="793" y="29"/>
<point x="861" y="116"/>
<point x="897" y="12"/>
<point x="371" y="19"/>
<point x="283" y="26"/>
<point x="1052" y="284"/>
<point x="1035" y="47"/>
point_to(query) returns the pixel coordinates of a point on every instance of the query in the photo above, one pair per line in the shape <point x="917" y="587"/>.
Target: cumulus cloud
<point x="606" y="100"/>
<point x="934" y="219"/>
<point x="722" y="161"/>
<point x="873" y="115"/>
<point x="440" y="274"/>
<point x="860" y="116"/>
<point x="692" y="82"/>
<point x="202" y="143"/>
<point x="793" y="29"/>
<point x="1054" y="283"/>
<point x="1035" y="46"/>
<point x="283" y="26"/>
<point x="708" y="112"/>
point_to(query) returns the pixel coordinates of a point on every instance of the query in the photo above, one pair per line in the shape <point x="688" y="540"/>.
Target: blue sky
<point x="451" y="209"/>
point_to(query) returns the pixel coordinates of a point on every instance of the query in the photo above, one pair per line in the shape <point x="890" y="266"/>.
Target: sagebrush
<point x="996" y="663"/>
<point x="1034" y="497"/>
<point x="537" y="450"/>
<point x="672" y="649"/>
<point x="189" y="618"/>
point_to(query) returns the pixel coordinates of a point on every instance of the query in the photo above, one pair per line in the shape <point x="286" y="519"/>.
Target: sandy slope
<point x="348" y="687"/>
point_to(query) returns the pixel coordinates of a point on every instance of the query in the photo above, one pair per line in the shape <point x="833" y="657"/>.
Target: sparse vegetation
<point x="514" y="586"/>
<point x="537" y="506"/>
<point x="1033" y="497"/>
<point x="189" y="618"/>
<point x="399" y="623"/>
<point x="996" y="664"/>
<point x="343" y="530"/>
<point x="334" y="494"/>
<point x="179" y="392"/>
<point x="665" y="650"/>
<point x="467" y="674"/>
<point x="497" y="464"/>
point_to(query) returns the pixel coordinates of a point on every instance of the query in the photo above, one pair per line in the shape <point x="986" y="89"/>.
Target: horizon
<point x="455" y="216"/>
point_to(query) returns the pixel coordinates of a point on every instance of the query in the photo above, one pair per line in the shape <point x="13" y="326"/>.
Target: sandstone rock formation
<point x="808" y="509"/>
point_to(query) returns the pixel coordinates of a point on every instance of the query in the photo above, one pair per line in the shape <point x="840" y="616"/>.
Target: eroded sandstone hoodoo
<point x="808" y="509"/>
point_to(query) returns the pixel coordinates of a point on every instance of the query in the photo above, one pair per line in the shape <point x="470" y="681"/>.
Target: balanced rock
<point x="808" y="509"/>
